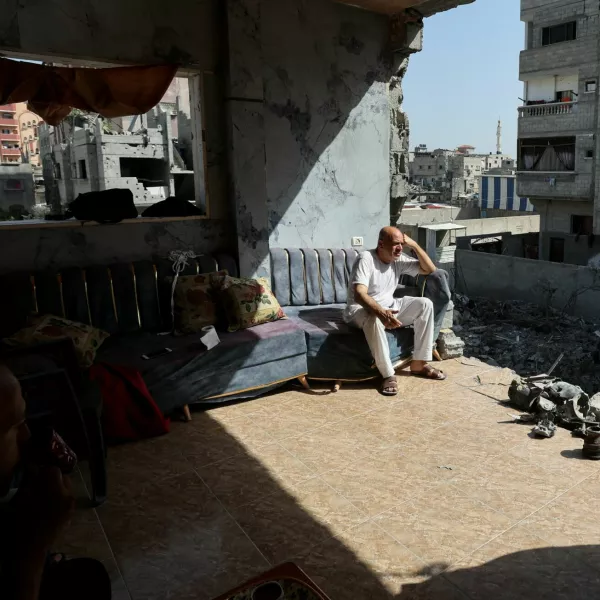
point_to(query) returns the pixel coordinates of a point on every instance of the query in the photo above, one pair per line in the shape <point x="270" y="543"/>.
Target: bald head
<point x="13" y="430"/>
<point x="389" y="248"/>
<point x="388" y="233"/>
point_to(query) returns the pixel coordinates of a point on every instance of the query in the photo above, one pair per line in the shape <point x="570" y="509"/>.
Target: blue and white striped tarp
<point x="498" y="191"/>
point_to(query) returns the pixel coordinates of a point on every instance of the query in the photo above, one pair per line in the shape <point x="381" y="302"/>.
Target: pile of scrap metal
<point x="551" y="402"/>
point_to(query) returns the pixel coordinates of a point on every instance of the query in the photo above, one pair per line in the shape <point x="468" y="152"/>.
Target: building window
<point x="564" y="32"/>
<point x="82" y="169"/>
<point x="547" y="154"/>
<point x="590" y="86"/>
<point x="429" y="168"/>
<point x="582" y="224"/>
<point x="589" y="154"/>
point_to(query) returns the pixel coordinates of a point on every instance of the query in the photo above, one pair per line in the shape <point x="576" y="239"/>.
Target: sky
<point x="466" y="76"/>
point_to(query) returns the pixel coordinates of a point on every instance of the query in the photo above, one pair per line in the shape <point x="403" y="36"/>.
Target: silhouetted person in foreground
<point x="35" y="505"/>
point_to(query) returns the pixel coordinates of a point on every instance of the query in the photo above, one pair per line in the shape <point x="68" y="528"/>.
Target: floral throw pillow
<point x="86" y="339"/>
<point x="195" y="306"/>
<point x="249" y="302"/>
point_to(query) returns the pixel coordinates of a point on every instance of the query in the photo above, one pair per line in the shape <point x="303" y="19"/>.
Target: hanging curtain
<point x="51" y="92"/>
<point x="566" y="156"/>
<point x="531" y="155"/>
<point x="549" y="161"/>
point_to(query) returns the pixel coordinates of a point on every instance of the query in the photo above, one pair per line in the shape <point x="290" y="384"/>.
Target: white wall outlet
<point x="358" y="241"/>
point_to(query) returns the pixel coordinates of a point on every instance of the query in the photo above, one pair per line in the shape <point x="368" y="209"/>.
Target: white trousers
<point x="417" y="312"/>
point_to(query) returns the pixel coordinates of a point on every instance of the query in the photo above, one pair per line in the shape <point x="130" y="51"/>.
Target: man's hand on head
<point x="408" y="241"/>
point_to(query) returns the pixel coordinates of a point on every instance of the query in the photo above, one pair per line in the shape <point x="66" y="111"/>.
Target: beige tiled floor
<point x="435" y="494"/>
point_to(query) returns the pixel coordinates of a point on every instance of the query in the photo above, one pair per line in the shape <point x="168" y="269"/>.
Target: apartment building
<point x="430" y="169"/>
<point x="29" y="124"/>
<point x="558" y="133"/>
<point x="10" y="139"/>
<point x="19" y="137"/>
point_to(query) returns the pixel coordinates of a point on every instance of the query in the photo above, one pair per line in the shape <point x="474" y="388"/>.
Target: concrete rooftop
<point x="435" y="494"/>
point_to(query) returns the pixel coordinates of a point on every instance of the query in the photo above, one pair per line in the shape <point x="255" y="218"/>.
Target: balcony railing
<point x="10" y="151"/>
<point x="12" y="122"/>
<point x="547" y="110"/>
<point x="9" y="137"/>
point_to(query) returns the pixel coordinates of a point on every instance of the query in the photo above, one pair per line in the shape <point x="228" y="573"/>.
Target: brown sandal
<point x="429" y="372"/>
<point x="389" y="387"/>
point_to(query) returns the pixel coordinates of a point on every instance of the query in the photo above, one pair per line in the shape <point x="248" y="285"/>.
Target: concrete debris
<point x="529" y="339"/>
<point x="449" y="345"/>
<point x="551" y="402"/>
<point x="545" y="429"/>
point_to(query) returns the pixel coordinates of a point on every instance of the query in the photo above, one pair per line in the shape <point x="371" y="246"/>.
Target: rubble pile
<point x="529" y="339"/>
<point x="552" y="402"/>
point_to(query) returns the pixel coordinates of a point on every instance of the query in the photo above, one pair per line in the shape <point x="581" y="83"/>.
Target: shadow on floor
<point x="215" y="502"/>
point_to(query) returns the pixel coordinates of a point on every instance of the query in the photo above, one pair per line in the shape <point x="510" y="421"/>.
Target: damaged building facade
<point x="302" y="118"/>
<point x="558" y="127"/>
<point x="149" y="154"/>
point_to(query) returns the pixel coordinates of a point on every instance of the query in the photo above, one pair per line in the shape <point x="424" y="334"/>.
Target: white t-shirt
<point x="380" y="278"/>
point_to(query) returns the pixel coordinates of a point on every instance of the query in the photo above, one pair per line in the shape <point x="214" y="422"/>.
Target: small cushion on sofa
<point x="249" y="302"/>
<point x="86" y="339"/>
<point x="195" y="305"/>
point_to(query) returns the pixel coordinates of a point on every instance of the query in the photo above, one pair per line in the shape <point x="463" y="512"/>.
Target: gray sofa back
<point x="308" y="276"/>
<point x="118" y="298"/>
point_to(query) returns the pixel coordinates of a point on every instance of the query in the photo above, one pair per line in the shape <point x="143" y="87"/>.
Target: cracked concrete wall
<point x="131" y="32"/>
<point x="309" y="125"/>
<point x="327" y="124"/>
<point x="37" y="248"/>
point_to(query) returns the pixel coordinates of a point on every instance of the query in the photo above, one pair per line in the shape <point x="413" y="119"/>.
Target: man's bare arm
<point x="425" y="263"/>
<point x="386" y="316"/>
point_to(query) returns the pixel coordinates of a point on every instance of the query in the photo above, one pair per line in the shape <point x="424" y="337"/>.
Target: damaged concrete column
<point x="245" y="103"/>
<point x="406" y="37"/>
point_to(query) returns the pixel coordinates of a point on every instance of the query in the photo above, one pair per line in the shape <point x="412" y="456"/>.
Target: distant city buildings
<point x="455" y="175"/>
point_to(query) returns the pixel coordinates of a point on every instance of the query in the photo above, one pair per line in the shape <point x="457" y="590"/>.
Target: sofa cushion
<point x="240" y="364"/>
<point x="248" y="302"/>
<point x="194" y="301"/>
<point x="86" y="339"/>
<point x="336" y="350"/>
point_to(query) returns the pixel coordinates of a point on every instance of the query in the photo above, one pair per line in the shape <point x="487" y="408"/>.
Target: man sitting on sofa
<point x="373" y="308"/>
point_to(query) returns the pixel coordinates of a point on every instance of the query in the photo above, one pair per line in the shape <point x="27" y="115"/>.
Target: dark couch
<point x="132" y="302"/>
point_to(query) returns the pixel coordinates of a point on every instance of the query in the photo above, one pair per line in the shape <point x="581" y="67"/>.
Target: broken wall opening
<point x="87" y="152"/>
